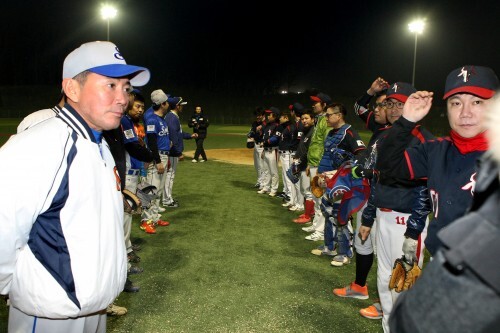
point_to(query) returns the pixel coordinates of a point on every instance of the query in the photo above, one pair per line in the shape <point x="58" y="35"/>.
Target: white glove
<point x="410" y="249"/>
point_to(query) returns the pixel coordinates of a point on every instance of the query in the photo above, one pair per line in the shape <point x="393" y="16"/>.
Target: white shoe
<point x="340" y="260"/>
<point x="324" y="251"/>
<point x="315" y="236"/>
<point x="308" y="229"/>
<point x="194" y="161"/>
<point x="161" y="209"/>
<point x="287" y="204"/>
<point x="202" y="161"/>
<point x="272" y="194"/>
<point x="294" y="208"/>
<point x="263" y="191"/>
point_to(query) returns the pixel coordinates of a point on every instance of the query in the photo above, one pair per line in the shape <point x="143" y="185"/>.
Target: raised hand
<point x="418" y="105"/>
<point x="377" y="86"/>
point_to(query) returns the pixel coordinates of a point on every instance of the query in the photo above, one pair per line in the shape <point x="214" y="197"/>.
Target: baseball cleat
<point x="272" y="194"/>
<point x="374" y="311"/>
<point x="115" y="310"/>
<point x="353" y="290"/>
<point x="340" y="260"/>
<point x="308" y="229"/>
<point x="162" y="223"/>
<point x="323" y="251"/>
<point x="315" y="236"/>
<point x="302" y="220"/>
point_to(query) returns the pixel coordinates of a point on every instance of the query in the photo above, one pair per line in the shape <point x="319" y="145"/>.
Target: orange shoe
<point x="302" y="220"/>
<point x="374" y="311"/>
<point x="148" y="227"/>
<point x="162" y="223"/>
<point x="352" y="291"/>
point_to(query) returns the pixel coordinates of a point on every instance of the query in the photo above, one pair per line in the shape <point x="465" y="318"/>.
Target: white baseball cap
<point x="158" y="97"/>
<point x="103" y="58"/>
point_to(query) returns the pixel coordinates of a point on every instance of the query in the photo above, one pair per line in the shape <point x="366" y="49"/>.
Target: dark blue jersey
<point x="287" y="135"/>
<point x="268" y="132"/>
<point x="450" y="175"/>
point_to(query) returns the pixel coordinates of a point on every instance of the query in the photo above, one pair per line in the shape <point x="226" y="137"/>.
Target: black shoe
<point x="281" y="195"/>
<point x="257" y="185"/>
<point x="136" y="247"/>
<point x="130" y="288"/>
<point x="135" y="270"/>
<point x="134" y="258"/>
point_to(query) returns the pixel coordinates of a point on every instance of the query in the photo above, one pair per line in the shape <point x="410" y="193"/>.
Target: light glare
<point x="108" y="12"/>
<point x="417" y="26"/>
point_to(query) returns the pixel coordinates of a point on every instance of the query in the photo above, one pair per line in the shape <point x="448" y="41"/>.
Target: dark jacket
<point x="199" y="124"/>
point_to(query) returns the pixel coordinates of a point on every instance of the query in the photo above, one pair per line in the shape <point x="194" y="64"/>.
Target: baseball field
<point x="231" y="260"/>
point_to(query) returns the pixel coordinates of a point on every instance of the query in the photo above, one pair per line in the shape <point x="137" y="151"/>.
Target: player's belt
<point x="133" y="172"/>
<point x="386" y="210"/>
<point x="287" y="151"/>
<point x="163" y="152"/>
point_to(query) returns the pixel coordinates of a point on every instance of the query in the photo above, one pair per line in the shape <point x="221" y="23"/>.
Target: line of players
<point x="153" y="144"/>
<point x="410" y="172"/>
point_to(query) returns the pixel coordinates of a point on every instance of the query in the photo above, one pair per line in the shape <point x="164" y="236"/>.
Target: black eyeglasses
<point x="331" y="114"/>
<point x="390" y="105"/>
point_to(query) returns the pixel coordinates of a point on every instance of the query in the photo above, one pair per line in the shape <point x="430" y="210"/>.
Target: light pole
<point x="108" y="12"/>
<point x="417" y="27"/>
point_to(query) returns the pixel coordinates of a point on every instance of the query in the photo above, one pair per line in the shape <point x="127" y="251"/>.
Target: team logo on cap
<point x="395" y="87"/>
<point x="466" y="73"/>
<point x="118" y="55"/>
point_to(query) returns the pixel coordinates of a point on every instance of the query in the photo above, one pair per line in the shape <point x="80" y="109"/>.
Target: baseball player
<point x="158" y="140"/>
<point x="376" y="122"/>
<point x="394" y="203"/>
<point x="177" y="137"/>
<point x="270" y="153"/>
<point x="255" y="136"/>
<point x="459" y="291"/>
<point x="449" y="163"/>
<point x="341" y="144"/>
<point x="300" y="159"/>
<point x="288" y="142"/>
<point x="314" y="154"/>
<point x="67" y="231"/>
<point x="136" y="153"/>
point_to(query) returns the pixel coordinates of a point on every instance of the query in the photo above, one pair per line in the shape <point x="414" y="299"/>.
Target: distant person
<point x="255" y="136"/>
<point x="270" y="152"/>
<point x="199" y="123"/>
<point x="177" y="137"/>
<point x="63" y="252"/>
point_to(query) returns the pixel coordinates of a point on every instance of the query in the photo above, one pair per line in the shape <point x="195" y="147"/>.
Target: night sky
<point x="256" y="46"/>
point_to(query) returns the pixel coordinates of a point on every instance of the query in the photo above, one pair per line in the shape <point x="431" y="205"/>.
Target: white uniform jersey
<point x="62" y="251"/>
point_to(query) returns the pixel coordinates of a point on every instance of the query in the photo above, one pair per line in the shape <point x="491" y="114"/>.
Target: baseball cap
<point x="475" y="80"/>
<point x="321" y="98"/>
<point x="174" y="101"/>
<point x="158" y="97"/>
<point x="296" y="107"/>
<point x="103" y="58"/>
<point x="400" y="91"/>
<point x="275" y="111"/>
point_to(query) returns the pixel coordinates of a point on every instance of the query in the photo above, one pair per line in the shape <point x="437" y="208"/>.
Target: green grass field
<point x="231" y="260"/>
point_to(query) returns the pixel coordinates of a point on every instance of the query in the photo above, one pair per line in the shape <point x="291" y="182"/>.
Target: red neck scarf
<point x="468" y="145"/>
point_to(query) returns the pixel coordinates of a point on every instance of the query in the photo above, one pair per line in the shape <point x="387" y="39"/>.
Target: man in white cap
<point x="63" y="252"/>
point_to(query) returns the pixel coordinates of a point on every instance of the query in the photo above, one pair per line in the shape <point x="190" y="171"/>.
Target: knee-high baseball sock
<point x="363" y="265"/>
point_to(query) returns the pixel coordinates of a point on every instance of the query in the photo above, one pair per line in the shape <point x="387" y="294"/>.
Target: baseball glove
<point x="316" y="189"/>
<point x="404" y="275"/>
<point x="131" y="203"/>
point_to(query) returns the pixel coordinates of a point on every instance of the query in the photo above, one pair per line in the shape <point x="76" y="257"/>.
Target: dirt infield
<point x="234" y="155"/>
